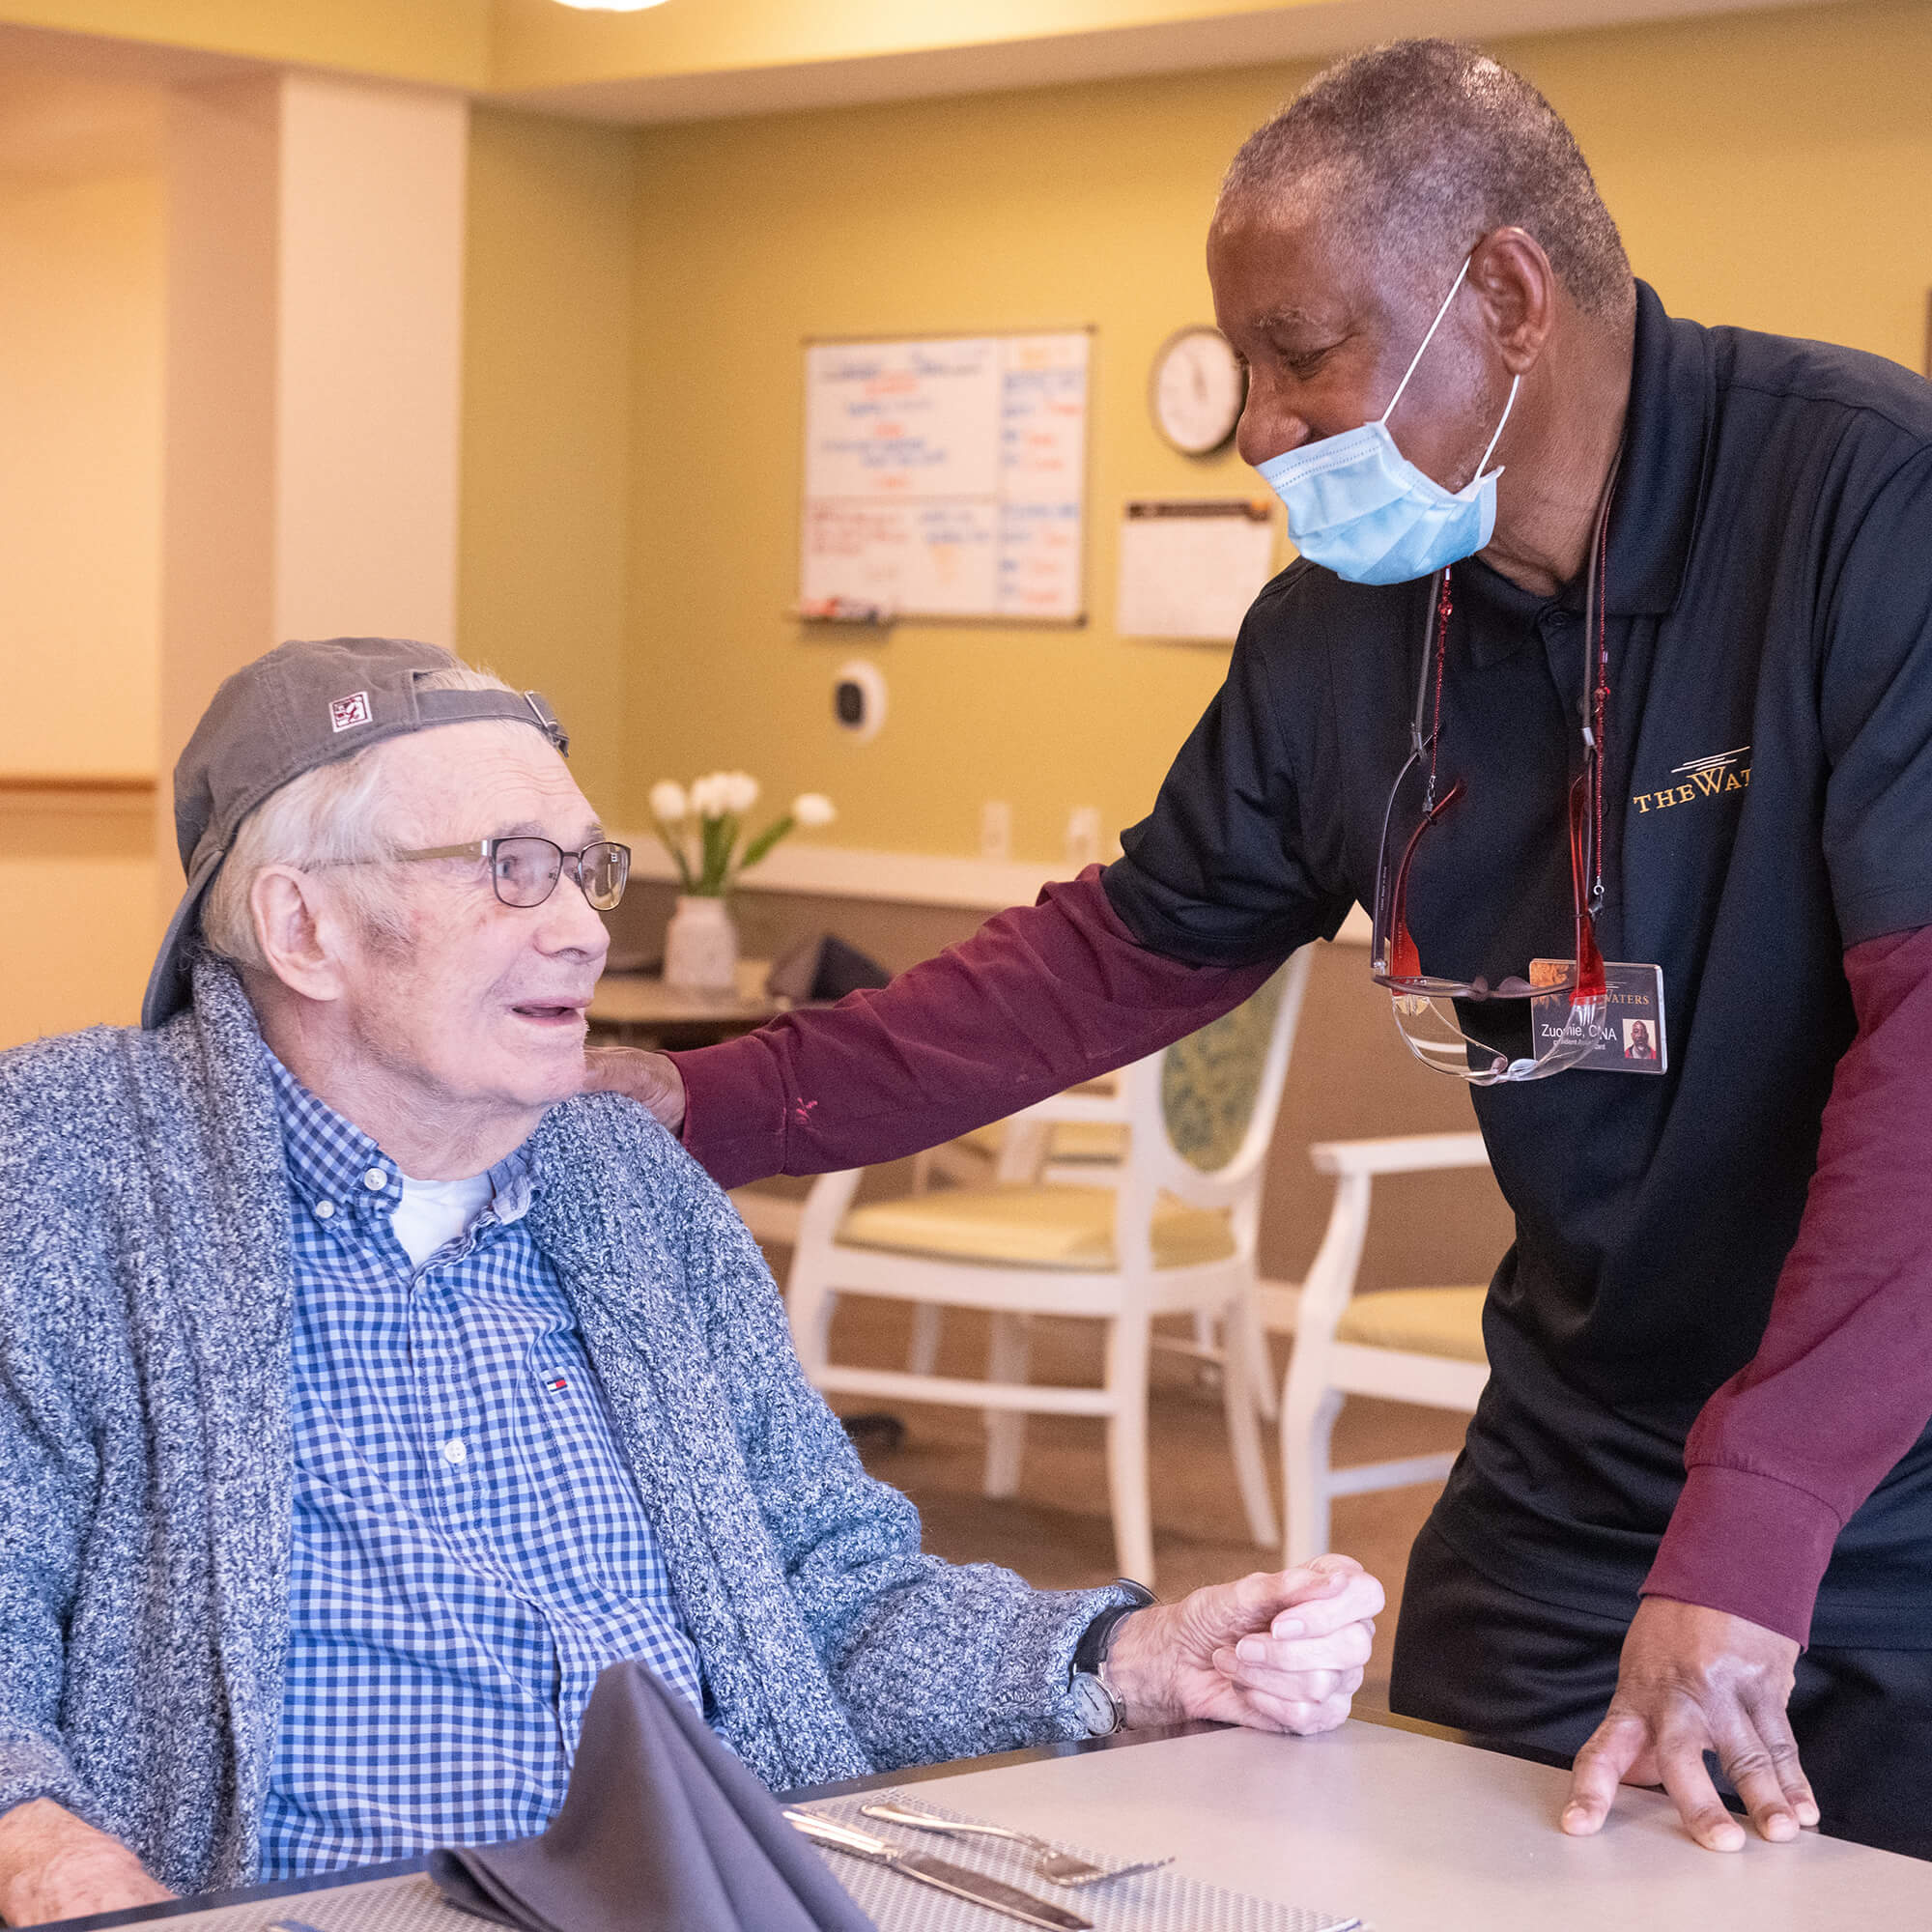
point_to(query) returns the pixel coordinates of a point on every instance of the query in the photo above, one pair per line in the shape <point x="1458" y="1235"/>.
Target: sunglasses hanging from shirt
<point x="1585" y="1011"/>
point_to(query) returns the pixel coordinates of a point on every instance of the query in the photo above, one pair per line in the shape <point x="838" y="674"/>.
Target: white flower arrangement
<point x="701" y="826"/>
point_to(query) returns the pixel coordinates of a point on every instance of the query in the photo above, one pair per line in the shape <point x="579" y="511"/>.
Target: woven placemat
<point x="1155" y="1901"/>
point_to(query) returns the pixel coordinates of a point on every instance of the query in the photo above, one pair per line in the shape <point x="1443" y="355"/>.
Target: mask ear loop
<point x="1416" y="358"/>
<point x="1483" y="463"/>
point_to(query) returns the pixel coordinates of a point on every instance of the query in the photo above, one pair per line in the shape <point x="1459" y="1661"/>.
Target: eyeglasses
<point x="1423" y="1004"/>
<point x="524" y="871"/>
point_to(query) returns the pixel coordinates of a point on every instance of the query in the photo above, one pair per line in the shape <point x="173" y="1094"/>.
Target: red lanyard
<point x="1595" y="733"/>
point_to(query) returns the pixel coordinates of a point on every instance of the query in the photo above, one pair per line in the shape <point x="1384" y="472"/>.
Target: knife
<point x="958" y="1879"/>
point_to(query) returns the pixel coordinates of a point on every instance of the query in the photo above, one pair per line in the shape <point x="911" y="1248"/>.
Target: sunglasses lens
<point x="1433" y="1031"/>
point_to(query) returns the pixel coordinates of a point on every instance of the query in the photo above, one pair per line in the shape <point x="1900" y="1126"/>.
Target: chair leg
<point x="922" y="1350"/>
<point x="1241" y="1379"/>
<point x="1267" y="1398"/>
<point x="1307" y="1423"/>
<point x="1127" y="1446"/>
<point x="1008" y="1356"/>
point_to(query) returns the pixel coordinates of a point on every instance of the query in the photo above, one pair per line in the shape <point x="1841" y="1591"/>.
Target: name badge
<point x="1629" y="1038"/>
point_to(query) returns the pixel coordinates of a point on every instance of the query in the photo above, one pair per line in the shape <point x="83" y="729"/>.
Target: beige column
<point x="314" y="364"/>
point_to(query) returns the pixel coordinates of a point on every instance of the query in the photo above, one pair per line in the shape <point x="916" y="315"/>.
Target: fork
<point x="1049" y="1861"/>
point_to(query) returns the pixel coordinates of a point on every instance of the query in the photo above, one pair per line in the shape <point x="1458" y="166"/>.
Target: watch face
<point x="1197" y="391"/>
<point x="1095" y="1704"/>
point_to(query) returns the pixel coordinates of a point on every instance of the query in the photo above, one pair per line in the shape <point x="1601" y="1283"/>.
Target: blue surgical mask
<point x="1359" y="507"/>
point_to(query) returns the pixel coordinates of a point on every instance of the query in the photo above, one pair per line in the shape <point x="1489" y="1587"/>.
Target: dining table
<point x="1382" y="1822"/>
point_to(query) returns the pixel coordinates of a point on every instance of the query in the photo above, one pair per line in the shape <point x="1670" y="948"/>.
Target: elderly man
<point x="363" y="1393"/>
<point x="1656" y="684"/>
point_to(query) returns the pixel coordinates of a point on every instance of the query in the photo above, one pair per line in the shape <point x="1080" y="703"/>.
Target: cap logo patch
<point x="350" y="710"/>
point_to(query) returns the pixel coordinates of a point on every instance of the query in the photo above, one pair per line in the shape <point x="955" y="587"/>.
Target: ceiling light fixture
<point x="611" y="6"/>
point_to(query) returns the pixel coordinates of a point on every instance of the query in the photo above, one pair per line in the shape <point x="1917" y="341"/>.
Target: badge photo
<point x="1629" y="1038"/>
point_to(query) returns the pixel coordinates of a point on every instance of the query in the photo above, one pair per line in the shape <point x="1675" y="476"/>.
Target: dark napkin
<point x="661" y="1829"/>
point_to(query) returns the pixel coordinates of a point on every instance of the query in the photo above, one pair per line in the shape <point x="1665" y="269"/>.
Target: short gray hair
<point x="1437" y="144"/>
<point x="328" y="816"/>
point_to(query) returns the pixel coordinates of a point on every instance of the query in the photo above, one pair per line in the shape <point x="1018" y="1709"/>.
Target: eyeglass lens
<point x="525" y="871"/>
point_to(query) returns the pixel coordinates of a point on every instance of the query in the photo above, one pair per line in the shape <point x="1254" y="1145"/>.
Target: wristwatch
<point x="1100" y="1709"/>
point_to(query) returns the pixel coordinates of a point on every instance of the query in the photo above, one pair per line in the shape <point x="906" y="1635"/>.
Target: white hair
<point x="328" y="816"/>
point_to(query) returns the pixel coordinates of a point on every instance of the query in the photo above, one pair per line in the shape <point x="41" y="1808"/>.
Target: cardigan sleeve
<point x="47" y="1485"/>
<point x="930" y="1660"/>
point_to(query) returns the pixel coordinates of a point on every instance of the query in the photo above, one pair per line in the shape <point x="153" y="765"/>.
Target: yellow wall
<point x="1768" y="169"/>
<point x="78" y="885"/>
<point x="549" y="306"/>
<point x="80" y="473"/>
<point x="80" y="510"/>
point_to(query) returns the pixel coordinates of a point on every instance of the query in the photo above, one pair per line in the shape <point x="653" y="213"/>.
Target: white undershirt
<point x="433" y="1212"/>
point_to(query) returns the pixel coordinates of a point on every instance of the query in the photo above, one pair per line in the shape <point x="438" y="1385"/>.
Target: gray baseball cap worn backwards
<point x="302" y="705"/>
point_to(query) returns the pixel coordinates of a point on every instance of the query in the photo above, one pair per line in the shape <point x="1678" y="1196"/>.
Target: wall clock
<point x="1195" y="390"/>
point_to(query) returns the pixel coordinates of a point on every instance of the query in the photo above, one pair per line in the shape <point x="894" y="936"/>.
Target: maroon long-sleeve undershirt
<point x="1841" y="1384"/>
<point x="1037" y="1000"/>
<point x="1045" y="996"/>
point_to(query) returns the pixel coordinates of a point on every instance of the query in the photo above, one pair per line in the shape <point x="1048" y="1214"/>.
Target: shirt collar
<point x="331" y="1159"/>
<point x="1659" y="493"/>
<point x="1666" y="449"/>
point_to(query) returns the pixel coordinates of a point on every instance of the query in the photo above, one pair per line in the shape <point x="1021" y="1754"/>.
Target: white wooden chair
<point x="1083" y="1152"/>
<point x="1420" y="1345"/>
<point x="1172" y="1232"/>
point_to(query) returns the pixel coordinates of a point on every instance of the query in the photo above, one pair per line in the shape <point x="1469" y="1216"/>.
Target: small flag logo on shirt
<point x="555" y="1381"/>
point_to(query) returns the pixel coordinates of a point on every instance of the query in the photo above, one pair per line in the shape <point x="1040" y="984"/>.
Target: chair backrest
<point x="1205" y="1108"/>
<point x="1210" y="1081"/>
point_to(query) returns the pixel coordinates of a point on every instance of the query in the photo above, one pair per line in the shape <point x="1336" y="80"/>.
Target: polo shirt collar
<point x="1660" y="494"/>
<point x="1666" y="455"/>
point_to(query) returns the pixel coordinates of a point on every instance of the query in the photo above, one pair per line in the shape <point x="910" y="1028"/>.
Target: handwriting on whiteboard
<point x="946" y="478"/>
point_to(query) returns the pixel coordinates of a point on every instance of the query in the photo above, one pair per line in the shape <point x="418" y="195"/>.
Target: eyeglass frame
<point x="572" y="862"/>
<point x="1584" y="978"/>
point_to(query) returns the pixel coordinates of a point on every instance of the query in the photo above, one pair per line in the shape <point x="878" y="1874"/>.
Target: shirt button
<point x="455" y="1449"/>
<point x="375" y="1181"/>
<point x="323" y="1210"/>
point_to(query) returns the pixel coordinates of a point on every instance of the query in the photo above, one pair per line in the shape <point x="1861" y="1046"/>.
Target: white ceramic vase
<point x="702" y="946"/>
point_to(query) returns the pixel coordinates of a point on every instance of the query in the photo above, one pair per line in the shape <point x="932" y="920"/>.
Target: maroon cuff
<point x="733" y="1114"/>
<point x="1749" y="1545"/>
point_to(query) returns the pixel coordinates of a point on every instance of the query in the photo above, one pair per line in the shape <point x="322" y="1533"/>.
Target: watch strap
<point x="1090" y="1652"/>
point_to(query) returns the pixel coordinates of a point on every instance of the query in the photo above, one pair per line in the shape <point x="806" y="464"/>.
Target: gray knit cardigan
<point x="144" y="1294"/>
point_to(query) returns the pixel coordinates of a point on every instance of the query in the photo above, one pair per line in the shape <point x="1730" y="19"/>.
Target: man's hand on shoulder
<point x="1276" y="1652"/>
<point x="651" y="1079"/>
<point x="1694" y="1680"/>
<point x="52" y="1865"/>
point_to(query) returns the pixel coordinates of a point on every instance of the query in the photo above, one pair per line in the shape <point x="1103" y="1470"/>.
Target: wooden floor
<point x="1056" y="1531"/>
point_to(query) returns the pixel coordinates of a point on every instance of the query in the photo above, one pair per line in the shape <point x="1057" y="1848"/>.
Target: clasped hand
<point x="1695" y="1680"/>
<point x="1275" y="1652"/>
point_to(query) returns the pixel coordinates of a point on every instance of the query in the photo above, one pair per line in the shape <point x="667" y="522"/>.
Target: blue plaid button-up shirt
<point x="468" y="1549"/>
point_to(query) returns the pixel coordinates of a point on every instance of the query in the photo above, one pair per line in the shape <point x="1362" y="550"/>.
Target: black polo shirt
<point x="1770" y="607"/>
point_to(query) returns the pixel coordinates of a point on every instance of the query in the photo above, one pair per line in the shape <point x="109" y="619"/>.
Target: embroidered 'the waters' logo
<point x="1702" y="777"/>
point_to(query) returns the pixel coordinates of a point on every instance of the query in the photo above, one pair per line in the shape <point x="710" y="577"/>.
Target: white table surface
<point x="1408" y="1832"/>
<point x="1416" y="1834"/>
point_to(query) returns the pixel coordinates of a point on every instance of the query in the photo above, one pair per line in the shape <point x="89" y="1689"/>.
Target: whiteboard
<point x="946" y="477"/>
<point x="1192" y="566"/>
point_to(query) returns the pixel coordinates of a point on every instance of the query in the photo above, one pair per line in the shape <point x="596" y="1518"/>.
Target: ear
<point x="301" y="934"/>
<point x="1519" y="290"/>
